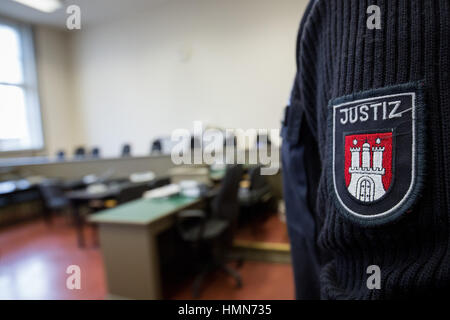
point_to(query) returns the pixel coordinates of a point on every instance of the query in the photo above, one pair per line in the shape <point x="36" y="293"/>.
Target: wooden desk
<point x="79" y="198"/>
<point x="129" y="244"/>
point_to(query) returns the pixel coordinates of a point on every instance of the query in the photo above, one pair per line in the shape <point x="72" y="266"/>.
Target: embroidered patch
<point x="377" y="148"/>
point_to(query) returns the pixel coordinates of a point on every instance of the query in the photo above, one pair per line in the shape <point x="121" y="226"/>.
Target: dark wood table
<point x="129" y="244"/>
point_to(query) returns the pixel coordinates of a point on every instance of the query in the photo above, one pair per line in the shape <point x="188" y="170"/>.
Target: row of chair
<point x="158" y="146"/>
<point x="94" y="153"/>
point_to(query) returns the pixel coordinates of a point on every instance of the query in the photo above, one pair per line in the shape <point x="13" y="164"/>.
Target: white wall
<point x="227" y="63"/>
<point x="53" y="62"/>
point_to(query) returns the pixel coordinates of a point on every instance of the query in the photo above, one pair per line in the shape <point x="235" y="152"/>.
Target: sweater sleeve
<point x="337" y="56"/>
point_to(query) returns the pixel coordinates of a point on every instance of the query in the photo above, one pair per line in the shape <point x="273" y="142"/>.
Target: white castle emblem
<point x="366" y="184"/>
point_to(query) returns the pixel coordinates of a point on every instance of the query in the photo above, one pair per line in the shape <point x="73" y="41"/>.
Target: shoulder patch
<point x="376" y="139"/>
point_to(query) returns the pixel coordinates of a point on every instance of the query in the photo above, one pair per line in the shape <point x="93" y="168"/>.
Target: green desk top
<point x="143" y="211"/>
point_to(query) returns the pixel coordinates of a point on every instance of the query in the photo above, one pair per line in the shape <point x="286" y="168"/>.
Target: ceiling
<point x="92" y="11"/>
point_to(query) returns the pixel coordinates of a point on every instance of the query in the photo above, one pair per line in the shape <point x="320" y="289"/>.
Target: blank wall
<point x="226" y="63"/>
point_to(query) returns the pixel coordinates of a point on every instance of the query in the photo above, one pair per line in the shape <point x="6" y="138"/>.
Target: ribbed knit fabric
<point x="338" y="55"/>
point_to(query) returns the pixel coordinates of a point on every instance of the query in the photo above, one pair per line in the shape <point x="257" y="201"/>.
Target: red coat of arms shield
<point x="368" y="165"/>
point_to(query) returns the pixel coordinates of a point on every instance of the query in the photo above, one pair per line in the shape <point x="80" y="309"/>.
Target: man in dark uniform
<point x="365" y="150"/>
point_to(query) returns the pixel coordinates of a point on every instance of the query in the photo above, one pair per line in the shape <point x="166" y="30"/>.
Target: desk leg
<point x="78" y="220"/>
<point x="131" y="259"/>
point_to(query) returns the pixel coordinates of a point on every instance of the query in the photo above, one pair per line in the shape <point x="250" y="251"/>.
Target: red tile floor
<point x="34" y="258"/>
<point x="268" y="229"/>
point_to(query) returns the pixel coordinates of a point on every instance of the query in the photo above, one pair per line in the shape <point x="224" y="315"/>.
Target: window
<point x="20" y="120"/>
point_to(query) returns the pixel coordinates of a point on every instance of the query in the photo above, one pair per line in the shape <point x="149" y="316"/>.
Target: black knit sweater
<point x="338" y="55"/>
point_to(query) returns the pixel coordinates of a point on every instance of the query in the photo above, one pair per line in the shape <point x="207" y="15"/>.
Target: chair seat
<point x="213" y="229"/>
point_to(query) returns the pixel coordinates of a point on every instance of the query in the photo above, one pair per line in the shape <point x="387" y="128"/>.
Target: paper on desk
<point x="162" y="192"/>
<point x="142" y="176"/>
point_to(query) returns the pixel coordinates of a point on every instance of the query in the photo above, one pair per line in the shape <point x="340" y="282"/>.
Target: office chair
<point x="156" y="147"/>
<point x="258" y="183"/>
<point x="211" y="235"/>
<point x="258" y="191"/>
<point x="60" y="155"/>
<point x="95" y="152"/>
<point x="54" y="199"/>
<point x="80" y="153"/>
<point x="126" y="150"/>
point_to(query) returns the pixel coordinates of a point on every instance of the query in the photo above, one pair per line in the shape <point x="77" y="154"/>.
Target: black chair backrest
<point x="95" y="152"/>
<point x="156" y="147"/>
<point x="80" y="152"/>
<point x="225" y="205"/>
<point x="126" y="150"/>
<point x="257" y="181"/>
<point x="60" y="155"/>
<point x="52" y="193"/>
<point x="131" y="192"/>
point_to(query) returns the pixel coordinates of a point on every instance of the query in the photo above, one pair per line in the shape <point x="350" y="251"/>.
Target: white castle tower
<point x="366" y="184"/>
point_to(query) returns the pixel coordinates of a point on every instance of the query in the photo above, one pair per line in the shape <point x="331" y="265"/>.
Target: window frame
<point x="29" y="85"/>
